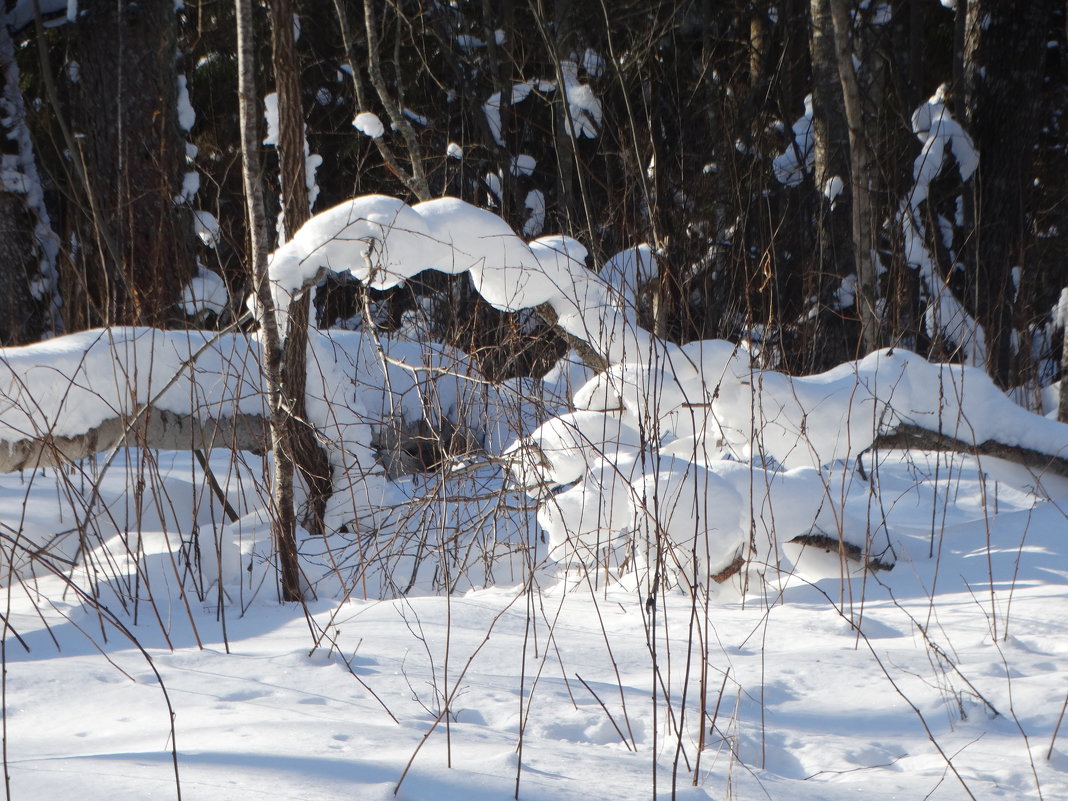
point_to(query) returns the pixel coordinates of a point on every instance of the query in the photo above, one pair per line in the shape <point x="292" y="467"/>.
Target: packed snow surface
<point x="940" y="679"/>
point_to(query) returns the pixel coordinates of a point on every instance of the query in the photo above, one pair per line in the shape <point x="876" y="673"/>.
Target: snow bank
<point x="653" y="453"/>
<point x="701" y="407"/>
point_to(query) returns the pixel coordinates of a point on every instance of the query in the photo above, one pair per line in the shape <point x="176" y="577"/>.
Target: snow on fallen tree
<point x="76" y="395"/>
<point x="676" y="463"/>
<point x="698" y="408"/>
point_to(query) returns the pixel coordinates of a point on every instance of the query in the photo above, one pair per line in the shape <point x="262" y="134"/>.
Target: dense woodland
<point x="800" y="170"/>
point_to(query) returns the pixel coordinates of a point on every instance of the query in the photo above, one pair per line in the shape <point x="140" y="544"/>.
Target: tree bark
<point x="831" y="138"/>
<point x="20" y="321"/>
<point x="1004" y="52"/>
<point x="907" y="436"/>
<point x="307" y="456"/>
<point x="153" y="428"/>
<point x="21" y="314"/>
<point x="283" y="520"/>
<point x="123" y="112"/>
<point x="862" y="179"/>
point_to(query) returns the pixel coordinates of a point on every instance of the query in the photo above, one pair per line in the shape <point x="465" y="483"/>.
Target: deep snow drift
<point x="672" y="577"/>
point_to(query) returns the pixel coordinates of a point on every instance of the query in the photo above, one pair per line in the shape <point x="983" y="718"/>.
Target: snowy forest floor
<point x="943" y="678"/>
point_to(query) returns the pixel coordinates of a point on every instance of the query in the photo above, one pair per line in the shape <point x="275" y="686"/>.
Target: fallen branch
<point x="907" y="436"/>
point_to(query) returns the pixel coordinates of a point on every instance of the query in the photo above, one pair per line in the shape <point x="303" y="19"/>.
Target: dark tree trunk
<point x="23" y="310"/>
<point x="1004" y="53"/>
<point x="20" y="320"/>
<point x="862" y="178"/>
<point x="283" y="521"/>
<point x="834" y="260"/>
<point x="123" y="112"/>
<point x="307" y="456"/>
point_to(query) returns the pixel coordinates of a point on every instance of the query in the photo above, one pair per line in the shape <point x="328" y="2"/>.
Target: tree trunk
<point x="831" y="134"/>
<point x="862" y="179"/>
<point x="20" y="321"/>
<point x="1062" y="408"/>
<point x="283" y="520"/>
<point x="1004" y="52"/>
<point x="307" y="455"/>
<point x="22" y="317"/>
<point x="123" y="112"/>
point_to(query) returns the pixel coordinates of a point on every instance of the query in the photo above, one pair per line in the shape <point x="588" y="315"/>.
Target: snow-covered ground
<point x="611" y="586"/>
<point x="943" y="678"/>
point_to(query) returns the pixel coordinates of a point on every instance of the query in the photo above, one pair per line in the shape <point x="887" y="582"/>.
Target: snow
<point x="583" y="106"/>
<point x="367" y="123"/>
<point x="592" y="62"/>
<point x="23" y="12"/>
<point x="206" y="226"/>
<point x="415" y="117"/>
<point x="1060" y="310"/>
<point x="630" y="270"/>
<point x="523" y="164"/>
<point x="270" y="114"/>
<point x="187" y="117"/>
<point x="641" y="583"/>
<point x="935" y="127"/>
<point x="190" y="187"/>
<point x="799" y="157"/>
<point x="492" y="108"/>
<point x="944" y="316"/>
<point x="467" y="42"/>
<point x="832" y="188"/>
<point x="535" y="204"/>
<point x="205" y="292"/>
<point x="815" y="693"/>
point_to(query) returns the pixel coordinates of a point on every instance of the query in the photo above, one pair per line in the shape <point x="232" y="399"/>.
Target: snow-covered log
<point x="150" y="428"/>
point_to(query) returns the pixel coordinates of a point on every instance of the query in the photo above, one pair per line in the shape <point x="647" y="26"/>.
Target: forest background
<point x="776" y="190"/>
